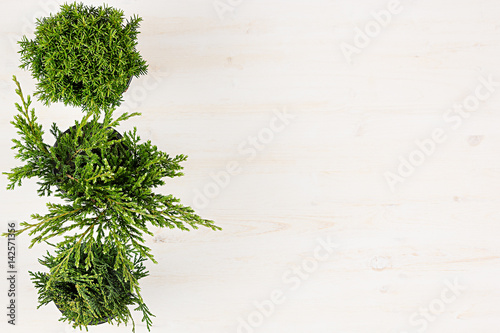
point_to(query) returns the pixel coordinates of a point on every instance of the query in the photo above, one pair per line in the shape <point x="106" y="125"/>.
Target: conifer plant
<point x="103" y="180"/>
<point x="84" y="56"/>
<point x="91" y="294"/>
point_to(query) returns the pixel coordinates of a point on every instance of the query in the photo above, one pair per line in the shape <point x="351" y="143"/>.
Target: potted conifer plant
<point x="84" y="56"/>
<point x="91" y="294"/>
<point x="106" y="180"/>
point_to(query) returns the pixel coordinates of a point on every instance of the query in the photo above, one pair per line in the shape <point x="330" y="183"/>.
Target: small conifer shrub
<point x="91" y="292"/>
<point x="83" y="56"/>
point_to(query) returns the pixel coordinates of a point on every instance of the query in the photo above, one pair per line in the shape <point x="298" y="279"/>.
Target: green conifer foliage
<point x="106" y="182"/>
<point x="90" y="292"/>
<point x="83" y="56"/>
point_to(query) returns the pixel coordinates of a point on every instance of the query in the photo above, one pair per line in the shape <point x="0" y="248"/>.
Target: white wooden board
<point x="421" y="256"/>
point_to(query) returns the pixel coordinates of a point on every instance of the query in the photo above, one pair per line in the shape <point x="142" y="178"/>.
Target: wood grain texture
<point x="215" y="83"/>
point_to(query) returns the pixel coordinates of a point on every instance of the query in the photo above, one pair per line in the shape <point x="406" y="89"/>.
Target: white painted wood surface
<point x="214" y="82"/>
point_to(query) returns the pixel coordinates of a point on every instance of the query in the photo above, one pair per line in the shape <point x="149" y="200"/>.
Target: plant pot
<point x="114" y="136"/>
<point x="94" y="322"/>
<point x="128" y="83"/>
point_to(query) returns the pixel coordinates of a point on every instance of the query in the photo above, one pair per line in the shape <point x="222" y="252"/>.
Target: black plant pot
<point x="94" y="322"/>
<point x="128" y="83"/>
<point x="114" y="136"/>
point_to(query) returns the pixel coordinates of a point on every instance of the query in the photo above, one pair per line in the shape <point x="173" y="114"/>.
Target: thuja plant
<point x="91" y="293"/>
<point x="83" y="56"/>
<point x="106" y="181"/>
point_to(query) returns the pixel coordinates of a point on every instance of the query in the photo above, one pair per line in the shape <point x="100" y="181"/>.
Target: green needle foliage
<point x="106" y="184"/>
<point x="91" y="292"/>
<point x="83" y="56"/>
